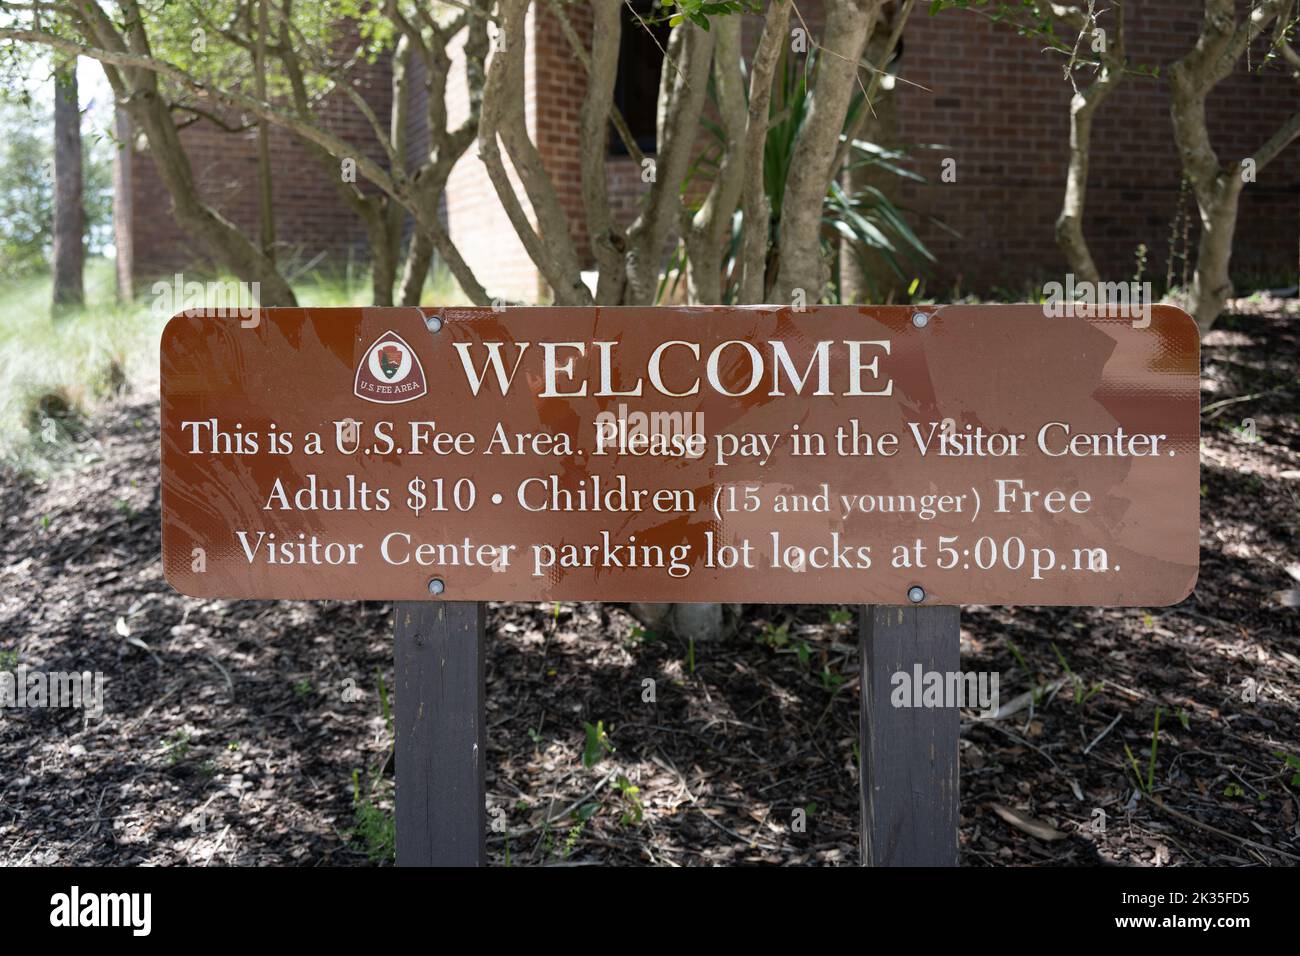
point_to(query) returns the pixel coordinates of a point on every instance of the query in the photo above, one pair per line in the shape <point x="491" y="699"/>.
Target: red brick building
<point x="996" y="102"/>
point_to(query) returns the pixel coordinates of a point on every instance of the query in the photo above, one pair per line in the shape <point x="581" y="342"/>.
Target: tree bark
<point x="1222" y="42"/>
<point x="138" y="90"/>
<point x="683" y="88"/>
<point x="1083" y="107"/>
<point x="265" y="183"/>
<point x="69" y="254"/>
<point x="802" y="271"/>
<point x="757" y="215"/>
<point x="419" y="258"/>
<point x="705" y="233"/>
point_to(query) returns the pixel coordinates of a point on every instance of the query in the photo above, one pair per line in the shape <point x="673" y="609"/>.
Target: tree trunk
<point x="69" y="253"/>
<point x="419" y="257"/>
<point x="265" y="190"/>
<point x="1211" y="284"/>
<point x="1222" y="42"/>
<point x="802" y="272"/>
<point x="1083" y="107"/>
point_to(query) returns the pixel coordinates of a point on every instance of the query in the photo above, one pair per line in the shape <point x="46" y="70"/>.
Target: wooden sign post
<point x="912" y="459"/>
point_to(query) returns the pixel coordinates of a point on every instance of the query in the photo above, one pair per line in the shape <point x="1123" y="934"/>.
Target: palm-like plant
<point x="867" y="222"/>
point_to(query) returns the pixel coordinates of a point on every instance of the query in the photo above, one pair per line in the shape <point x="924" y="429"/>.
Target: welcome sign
<point x="980" y="454"/>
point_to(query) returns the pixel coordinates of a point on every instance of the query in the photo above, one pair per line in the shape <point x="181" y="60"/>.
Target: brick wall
<point x="997" y="102"/>
<point x="1003" y="108"/>
<point x="311" y="217"/>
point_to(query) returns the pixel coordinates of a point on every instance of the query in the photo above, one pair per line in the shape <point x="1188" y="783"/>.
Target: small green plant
<point x="8" y="660"/>
<point x="581" y="816"/>
<point x="597" y="745"/>
<point x="831" y="681"/>
<point x="376" y="827"/>
<point x="638" y="635"/>
<point x="1039" y="689"/>
<point x="840" y="616"/>
<point x="635" y="811"/>
<point x="177" y="746"/>
<point x="699" y="11"/>
<point x="1020" y="658"/>
<point x="385" y="706"/>
<point x="1290" y="762"/>
<point x="804" y="653"/>
<point x="535" y="736"/>
<point x="1147" y="784"/>
<point x="1233" y="790"/>
<point x="775" y="637"/>
<point x="1185" y="719"/>
<point x="1246" y="433"/>
<point x="1081" y="695"/>
<point x="302" y="688"/>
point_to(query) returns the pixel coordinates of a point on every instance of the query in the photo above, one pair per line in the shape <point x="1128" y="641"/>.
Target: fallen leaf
<point x="1035" y="828"/>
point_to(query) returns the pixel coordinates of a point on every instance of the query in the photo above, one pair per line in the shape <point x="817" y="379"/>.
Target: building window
<point x="640" y="59"/>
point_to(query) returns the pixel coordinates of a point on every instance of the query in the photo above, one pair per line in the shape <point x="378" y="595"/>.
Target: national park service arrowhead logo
<point x="390" y="372"/>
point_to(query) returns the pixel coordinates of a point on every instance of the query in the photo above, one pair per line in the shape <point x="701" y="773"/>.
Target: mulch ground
<point x="243" y="733"/>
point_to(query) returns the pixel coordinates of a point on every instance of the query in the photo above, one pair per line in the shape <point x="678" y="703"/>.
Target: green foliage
<point x="581" y="816"/>
<point x="775" y="636"/>
<point x="1290" y="762"/>
<point x="597" y="744"/>
<point x="699" y="11"/>
<point x="638" y="635"/>
<point x="375" y="826"/>
<point x="831" y="681"/>
<point x="1082" y="693"/>
<point x="177" y="746"/>
<point x="635" y="811"/>
<point x="90" y="354"/>
<point x="871" y="225"/>
<point x="385" y="706"/>
<point x="27" y="188"/>
<point x="1146" y="783"/>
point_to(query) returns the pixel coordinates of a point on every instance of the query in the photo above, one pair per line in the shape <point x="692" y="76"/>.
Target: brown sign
<point x="985" y="454"/>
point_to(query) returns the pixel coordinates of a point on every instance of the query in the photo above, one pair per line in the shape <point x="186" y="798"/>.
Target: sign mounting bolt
<point x="916" y="594"/>
<point x="920" y="319"/>
<point x="433" y="323"/>
<point x="436" y="586"/>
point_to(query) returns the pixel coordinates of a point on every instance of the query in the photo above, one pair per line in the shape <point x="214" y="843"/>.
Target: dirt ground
<point x="255" y="733"/>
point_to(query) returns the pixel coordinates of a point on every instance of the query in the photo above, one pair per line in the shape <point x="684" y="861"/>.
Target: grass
<point x="54" y="372"/>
